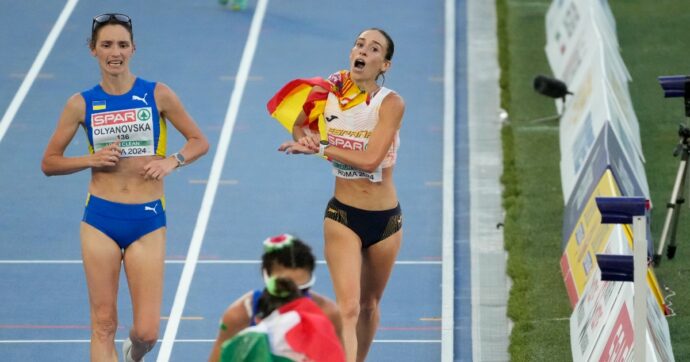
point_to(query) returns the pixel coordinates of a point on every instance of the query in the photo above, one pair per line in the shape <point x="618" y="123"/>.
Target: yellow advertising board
<point x="587" y="239"/>
<point x="590" y="237"/>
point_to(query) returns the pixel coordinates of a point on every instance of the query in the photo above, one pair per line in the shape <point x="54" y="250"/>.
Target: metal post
<point x="640" y="286"/>
<point x="627" y="210"/>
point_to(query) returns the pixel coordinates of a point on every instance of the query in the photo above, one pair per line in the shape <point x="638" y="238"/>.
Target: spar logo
<point x="144" y="114"/>
<point x="121" y="117"/>
<point x="346" y="143"/>
<point x="113" y="118"/>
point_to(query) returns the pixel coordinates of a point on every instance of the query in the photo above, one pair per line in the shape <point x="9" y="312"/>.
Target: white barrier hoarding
<point x="567" y="37"/>
<point x="573" y="27"/>
<point x="606" y="154"/>
<point x="585" y="115"/>
<point x="601" y="327"/>
<point x="582" y="50"/>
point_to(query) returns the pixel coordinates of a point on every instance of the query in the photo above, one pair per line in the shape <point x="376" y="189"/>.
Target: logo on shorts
<point x="149" y="208"/>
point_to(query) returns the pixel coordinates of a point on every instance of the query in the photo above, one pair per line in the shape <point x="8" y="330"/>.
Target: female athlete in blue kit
<point x="124" y="219"/>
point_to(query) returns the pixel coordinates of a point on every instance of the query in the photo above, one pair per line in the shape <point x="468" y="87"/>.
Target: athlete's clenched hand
<point x="107" y="156"/>
<point x="157" y="169"/>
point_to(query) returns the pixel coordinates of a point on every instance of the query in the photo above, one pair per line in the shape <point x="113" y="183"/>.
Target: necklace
<point x="373" y="94"/>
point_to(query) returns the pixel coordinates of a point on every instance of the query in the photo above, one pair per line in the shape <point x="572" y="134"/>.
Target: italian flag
<point x="297" y="331"/>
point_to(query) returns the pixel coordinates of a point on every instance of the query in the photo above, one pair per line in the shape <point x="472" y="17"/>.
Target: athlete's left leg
<point x="144" y="266"/>
<point x="377" y="265"/>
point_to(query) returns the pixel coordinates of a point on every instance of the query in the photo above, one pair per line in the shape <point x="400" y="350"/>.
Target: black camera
<point x="550" y="87"/>
<point x="677" y="86"/>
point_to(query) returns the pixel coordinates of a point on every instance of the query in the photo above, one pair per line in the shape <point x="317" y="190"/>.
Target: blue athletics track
<point x="225" y="65"/>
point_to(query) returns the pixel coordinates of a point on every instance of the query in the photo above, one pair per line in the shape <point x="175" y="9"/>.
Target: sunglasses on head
<point x="105" y="18"/>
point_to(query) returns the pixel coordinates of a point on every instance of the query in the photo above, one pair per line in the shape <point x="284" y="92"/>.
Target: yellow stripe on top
<point x="89" y="145"/>
<point x="162" y="136"/>
<point x="323" y="130"/>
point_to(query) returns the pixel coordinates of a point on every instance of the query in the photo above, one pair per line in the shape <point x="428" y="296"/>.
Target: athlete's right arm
<point x="54" y="161"/>
<point x="298" y="133"/>
<point x="234" y="320"/>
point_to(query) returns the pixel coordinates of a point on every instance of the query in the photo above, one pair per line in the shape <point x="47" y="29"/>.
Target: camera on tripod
<point x="676" y="86"/>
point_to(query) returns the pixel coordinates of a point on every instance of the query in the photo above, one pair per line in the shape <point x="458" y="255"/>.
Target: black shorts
<point x="370" y="226"/>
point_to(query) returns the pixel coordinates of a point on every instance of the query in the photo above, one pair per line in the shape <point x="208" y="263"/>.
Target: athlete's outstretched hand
<point x="311" y="141"/>
<point x="308" y="144"/>
<point x="107" y="156"/>
<point x="295" y="147"/>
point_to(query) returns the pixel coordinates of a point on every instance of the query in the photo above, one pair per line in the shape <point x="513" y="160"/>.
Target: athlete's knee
<point x="349" y="309"/>
<point x="142" y="344"/>
<point x="369" y="306"/>
<point x="144" y="336"/>
<point x="104" y="326"/>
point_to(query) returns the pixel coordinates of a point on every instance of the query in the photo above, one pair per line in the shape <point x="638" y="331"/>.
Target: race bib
<point x="133" y="127"/>
<point x="349" y="172"/>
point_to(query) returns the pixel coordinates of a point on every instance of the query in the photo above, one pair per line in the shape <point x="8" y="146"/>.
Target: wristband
<point x="322" y="148"/>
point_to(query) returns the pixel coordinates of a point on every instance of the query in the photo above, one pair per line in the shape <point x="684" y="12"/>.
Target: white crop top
<point x="351" y="129"/>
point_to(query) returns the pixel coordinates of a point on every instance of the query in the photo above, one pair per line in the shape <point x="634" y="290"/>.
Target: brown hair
<point x="390" y="49"/>
<point x="97" y="26"/>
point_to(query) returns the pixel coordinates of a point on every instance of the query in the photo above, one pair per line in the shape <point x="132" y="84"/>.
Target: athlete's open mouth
<point x="359" y="64"/>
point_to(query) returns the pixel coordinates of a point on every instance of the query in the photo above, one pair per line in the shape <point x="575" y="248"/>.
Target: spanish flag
<point x="297" y="96"/>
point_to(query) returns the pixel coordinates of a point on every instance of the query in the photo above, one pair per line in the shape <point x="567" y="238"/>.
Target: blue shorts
<point x="124" y="223"/>
<point x="370" y="226"/>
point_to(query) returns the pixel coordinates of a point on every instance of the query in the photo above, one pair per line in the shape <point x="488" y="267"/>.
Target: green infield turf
<point x="653" y="42"/>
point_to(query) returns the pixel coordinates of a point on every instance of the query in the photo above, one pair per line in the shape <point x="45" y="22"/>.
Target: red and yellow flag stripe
<point x="299" y="96"/>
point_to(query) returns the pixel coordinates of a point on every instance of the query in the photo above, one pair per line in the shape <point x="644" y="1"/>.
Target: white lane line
<point x="212" y="186"/>
<point x="213" y="261"/>
<point x="448" y="270"/>
<point x="24" y="88"/>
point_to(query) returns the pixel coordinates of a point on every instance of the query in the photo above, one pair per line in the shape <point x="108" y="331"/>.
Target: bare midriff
<point x="367" y="195"/>
<point x="125" y="183"/>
